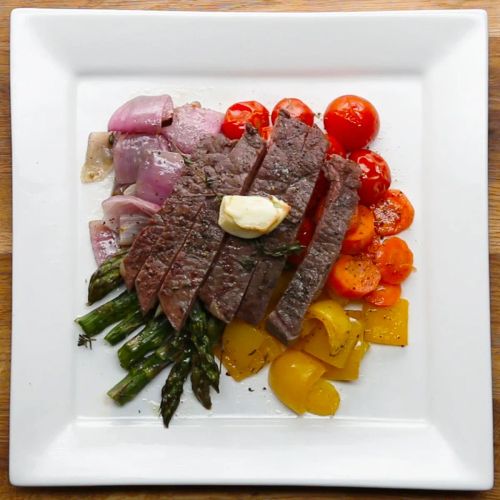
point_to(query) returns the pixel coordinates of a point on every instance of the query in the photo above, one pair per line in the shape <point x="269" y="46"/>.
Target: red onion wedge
<point x="142" y="115"/>
<point x="190" y="124"/>
<point x="116" y="206"/>
<point x="99" y="157"/>
<point x="103" y="241"/>
<point x="132" y="151"/>
<point x="130" y="226"/>
<point x="157" y="177"/>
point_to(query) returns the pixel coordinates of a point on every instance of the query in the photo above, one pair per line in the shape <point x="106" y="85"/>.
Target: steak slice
<point x="187" y="273"/>
<point x="300" y="185"/>
<point x="228" y="280"/>
<point x="285" y="321"/>
<point x="144" y="244"/>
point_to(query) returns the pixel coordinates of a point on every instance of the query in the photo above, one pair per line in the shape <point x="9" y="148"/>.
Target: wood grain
<point x="242" y="493"/>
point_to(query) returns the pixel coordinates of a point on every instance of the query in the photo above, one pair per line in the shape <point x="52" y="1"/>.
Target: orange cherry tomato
<point x="352" y="120"/>
<point x="296" y="108"/>
<point x="304" y="236"/>
<point x="353" y="276"/>
<point x="361" y="231"/>
<point x="334" y="147"/>
<point x="375" y="175"/>
<point x="384" y="295"/>
<point x="393" y="213"/>
<point x="394" y="260"/>
<point x="241" y="113"/>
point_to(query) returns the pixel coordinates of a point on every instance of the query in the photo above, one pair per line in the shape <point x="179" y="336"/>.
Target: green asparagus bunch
<point x="156" y="346"/>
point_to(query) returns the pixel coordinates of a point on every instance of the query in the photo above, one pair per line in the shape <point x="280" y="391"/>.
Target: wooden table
<point x="7" y="491"/>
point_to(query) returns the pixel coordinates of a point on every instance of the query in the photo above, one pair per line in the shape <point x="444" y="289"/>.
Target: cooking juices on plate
<point x="250" y="237"/>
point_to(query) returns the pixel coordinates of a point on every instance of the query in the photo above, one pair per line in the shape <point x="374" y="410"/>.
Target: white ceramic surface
<point x="418" y="417"/>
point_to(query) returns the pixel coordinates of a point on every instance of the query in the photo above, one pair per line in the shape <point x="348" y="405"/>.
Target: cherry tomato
<point x="296" y="108"/>
<point x="375" y="175"/>
<point x="334" y="148"/>
<point x="241" y="113"/>
<point x="393" y="213"/>
<point x="352" y="120"/>
<point x="304" y="236"/>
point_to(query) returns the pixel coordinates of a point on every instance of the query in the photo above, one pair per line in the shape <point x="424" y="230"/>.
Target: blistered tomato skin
<point x="241" y="113"/>
<point x="296" y="108"/>
<point x="352" y="120"/>
<point x="375" y="175"/>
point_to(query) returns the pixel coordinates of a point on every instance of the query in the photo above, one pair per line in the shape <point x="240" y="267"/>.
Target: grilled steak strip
<point x="227" y="282"/>
<point x="143" y="245"/>
<point x="300" y="185"/>
<point x="285" y="321"/>
<point x="231" y="176"/>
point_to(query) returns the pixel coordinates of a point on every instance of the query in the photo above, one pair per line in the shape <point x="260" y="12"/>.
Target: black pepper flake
<point x="250" y="389"/>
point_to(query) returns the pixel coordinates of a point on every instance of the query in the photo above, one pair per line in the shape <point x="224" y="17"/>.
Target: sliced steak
<point x="301" y="180"/>
<point x="231" y="176"/>
<point x="228" y="280"/>
<point x="150" y="240"/>
<point x="285" y="321"/>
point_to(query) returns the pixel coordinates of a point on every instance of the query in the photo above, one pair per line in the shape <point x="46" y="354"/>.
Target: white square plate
<point x="419" y="417"/>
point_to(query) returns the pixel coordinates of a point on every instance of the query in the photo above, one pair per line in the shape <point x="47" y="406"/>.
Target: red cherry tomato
<point x="352" y="120"/>
<point x="375" y="175"/>
<point x="304" y="236"/>
<point x="334" y="148"/>
<point x="241" y="113"/>
<point x="296" y="108"/>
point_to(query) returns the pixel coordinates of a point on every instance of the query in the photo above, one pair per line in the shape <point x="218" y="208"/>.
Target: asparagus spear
<point x="172" y="390"/>
<point x="97" y="320"/>
<point x="200" y="383"/>
<point x="128" y="388"/>
<point x="142" y="372"/>
<point x="197" y="326"/>
<point x="215" y="327"/>
<point x="125" y="327"/>
<point x="151" y="337"/>
<point x="106" y="278"/>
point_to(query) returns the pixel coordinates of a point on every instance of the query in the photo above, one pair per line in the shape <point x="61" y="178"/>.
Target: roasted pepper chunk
<point x="292" y="376"/>
<point x="323" y="399"/>
<point x="387" y="325"/>
<point x="334" y="320"/>
<point x="351" y="369"/>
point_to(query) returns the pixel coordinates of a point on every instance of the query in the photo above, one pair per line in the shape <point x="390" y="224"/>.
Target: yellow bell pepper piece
<point x="334" y="320"/>
<point x="271" y="348"/>
<point x="351" y="369"/>
<point x="323" y="399"/>
<point x="240" y="349"/>
<point x="292" y="376"/>
<point x="308" y="326"/>
<point x="387" y="325"/>
<point x="317" y="344"/>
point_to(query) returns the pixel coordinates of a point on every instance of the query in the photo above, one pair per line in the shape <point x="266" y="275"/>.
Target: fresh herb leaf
<point x="85" y="341"/>
<point x="247" y="263"/>
<point x="281" y="250"/>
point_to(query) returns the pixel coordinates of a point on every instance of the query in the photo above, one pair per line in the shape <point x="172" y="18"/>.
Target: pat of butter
<point x="251" y="216"/>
